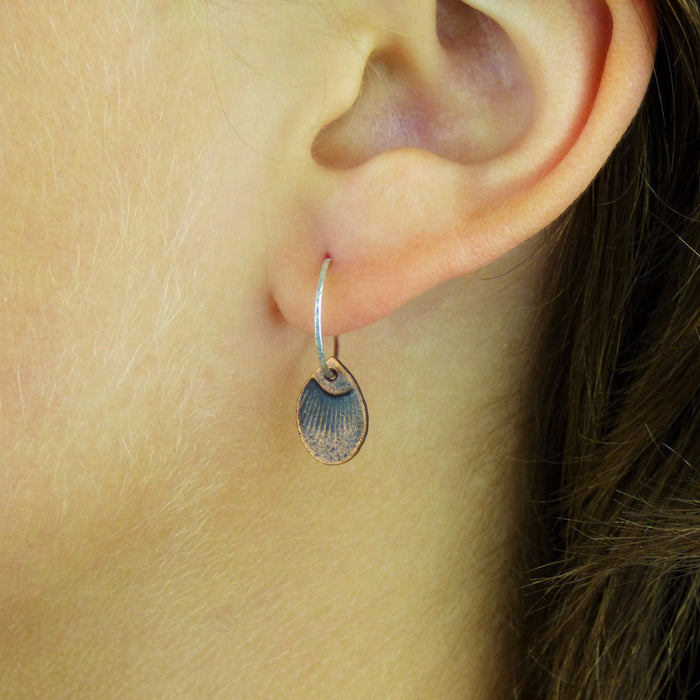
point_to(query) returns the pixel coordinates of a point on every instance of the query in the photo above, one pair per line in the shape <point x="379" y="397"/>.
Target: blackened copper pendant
<point x="332" y="415"/>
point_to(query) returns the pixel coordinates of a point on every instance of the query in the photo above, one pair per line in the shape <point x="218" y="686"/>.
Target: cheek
<point x="136" y="232"/>
<point x="127" y="251"/>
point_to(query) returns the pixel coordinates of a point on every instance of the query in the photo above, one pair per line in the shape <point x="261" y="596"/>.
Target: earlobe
<point x="458" y="148"/>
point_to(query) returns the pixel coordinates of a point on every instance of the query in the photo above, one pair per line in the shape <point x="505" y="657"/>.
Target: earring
<point x="331" y="412"/>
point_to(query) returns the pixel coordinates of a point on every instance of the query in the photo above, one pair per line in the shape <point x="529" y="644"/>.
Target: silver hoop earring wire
<point x="318" y="307"/>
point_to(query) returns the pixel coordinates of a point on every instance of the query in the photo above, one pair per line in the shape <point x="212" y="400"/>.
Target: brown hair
<point x="613" y="587"/>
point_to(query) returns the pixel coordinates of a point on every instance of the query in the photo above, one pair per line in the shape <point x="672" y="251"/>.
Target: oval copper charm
<point x="332" y="415"/>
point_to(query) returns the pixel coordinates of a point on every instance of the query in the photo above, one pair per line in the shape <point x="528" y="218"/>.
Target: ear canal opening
<point x="465" y="96"/>
<point x="455" y="22"/>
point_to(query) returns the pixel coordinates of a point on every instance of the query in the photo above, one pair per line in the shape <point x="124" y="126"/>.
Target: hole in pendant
<point x="333" y="377"/>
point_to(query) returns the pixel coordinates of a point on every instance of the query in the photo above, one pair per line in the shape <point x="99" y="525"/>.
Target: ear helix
<point x="332" y="414"/>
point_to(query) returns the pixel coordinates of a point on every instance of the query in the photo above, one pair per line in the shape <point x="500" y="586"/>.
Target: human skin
<point x="163" y="532"/>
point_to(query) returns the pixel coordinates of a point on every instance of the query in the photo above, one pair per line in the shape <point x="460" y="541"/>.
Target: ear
<point x="464" y="130"/>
